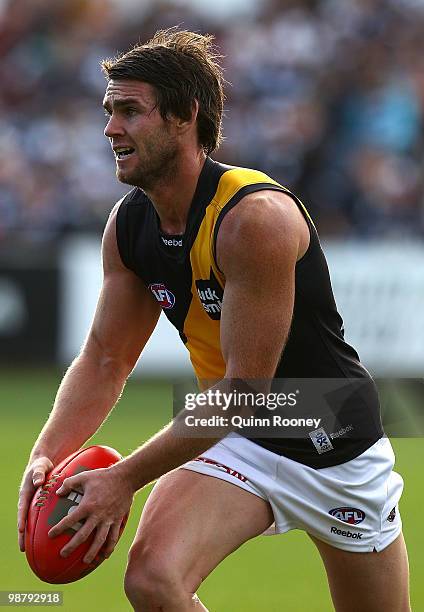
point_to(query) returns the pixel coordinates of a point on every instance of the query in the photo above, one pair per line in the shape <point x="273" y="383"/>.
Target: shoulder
<point x="132" y="198"/>
<point x="236" y="182"/>
<point x="135" y="196"/>
<point x="124" y="222"/>
<point x="265" y="210"/>
<point x="111" y="253"/>
<point x="264" y="224"/>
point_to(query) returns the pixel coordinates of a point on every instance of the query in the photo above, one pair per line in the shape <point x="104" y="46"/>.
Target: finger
<point x="30" y="481"/>
<point x="80" y="513"/>
<point x="99" y="540"/>
<point x="26" y="494"/>
<point x="23" y="503"/>
<point x="21" y="531"/>
<point x="81" y="535"/>
<point x="38" y="476"/>
<point x="21" y="541"/>
<point x="112" y="539"/>
<point x="73" y="483"/>
<point x="40" y="470"/>
<point x="25" y="497"/>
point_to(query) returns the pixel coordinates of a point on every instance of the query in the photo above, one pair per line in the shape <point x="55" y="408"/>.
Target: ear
<point x="184" y="125"/>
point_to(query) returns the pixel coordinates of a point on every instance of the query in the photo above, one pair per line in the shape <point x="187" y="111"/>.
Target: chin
<point x="130" y="177"/>
<point x="125" y="177"/>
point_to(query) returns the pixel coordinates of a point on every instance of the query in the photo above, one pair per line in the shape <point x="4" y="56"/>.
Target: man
<point x="234" y="261"/>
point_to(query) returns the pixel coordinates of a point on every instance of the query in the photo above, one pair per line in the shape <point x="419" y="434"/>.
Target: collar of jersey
<point x="206" y="187"/>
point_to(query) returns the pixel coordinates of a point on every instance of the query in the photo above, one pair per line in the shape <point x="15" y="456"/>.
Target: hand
<point x="34" y="476"/>
<point x="107" y="498"/>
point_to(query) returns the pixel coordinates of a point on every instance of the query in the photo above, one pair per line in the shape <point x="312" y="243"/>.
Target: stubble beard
<point x="160" y="166"/>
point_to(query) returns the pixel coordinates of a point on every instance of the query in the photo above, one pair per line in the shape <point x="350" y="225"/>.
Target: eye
<point x="130" y="111"/>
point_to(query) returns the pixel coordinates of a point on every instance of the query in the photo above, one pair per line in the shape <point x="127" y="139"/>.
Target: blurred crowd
<point x="327" y="96"/>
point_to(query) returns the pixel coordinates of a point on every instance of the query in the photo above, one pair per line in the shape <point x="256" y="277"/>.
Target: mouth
<point x="123" y="153"/>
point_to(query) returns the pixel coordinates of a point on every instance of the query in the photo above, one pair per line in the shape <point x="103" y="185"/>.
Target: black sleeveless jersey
<point x="182" y="273"/>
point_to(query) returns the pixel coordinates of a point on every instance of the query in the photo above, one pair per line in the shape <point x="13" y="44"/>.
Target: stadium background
<point x="326" y="96"/>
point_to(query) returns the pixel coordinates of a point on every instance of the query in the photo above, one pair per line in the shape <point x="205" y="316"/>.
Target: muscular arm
<point x="125" y="317"/>
<point x="258" y="245"/>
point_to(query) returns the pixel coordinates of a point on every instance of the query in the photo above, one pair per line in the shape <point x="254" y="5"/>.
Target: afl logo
<point x="353" y="516"/>
<point x="165" y="298"/>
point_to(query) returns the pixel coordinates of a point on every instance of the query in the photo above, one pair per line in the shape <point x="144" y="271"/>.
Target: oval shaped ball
<point x="47" y="509"/>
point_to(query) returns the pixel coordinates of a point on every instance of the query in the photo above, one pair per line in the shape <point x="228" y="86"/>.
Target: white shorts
<point x="352" y="506"/>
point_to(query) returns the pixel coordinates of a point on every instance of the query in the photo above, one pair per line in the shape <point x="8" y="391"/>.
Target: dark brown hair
<point x="183" y="67"/>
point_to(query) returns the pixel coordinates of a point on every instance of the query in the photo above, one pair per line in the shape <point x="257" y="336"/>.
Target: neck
<point x="172" y="196"/>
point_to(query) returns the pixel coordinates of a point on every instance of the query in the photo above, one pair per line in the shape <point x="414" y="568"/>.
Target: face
<point x="145" y="145"/>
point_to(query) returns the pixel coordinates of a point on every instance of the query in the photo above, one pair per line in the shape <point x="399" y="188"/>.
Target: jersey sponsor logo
<point x="353" y="516"/>
<point x="321" y="440"/>
<point x="176" y="242"/>
<point x="210" y="294"/>
<point x="165" y="297"/>
<point x="346" y="534"/>
<point x="392" y="515"/>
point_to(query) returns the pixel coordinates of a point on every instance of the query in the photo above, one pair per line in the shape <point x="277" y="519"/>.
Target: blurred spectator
<point x="326" y="95"/>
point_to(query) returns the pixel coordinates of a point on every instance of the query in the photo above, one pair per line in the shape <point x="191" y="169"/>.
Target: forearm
<point x="88" y="391"/>
<point x="178" y="443"/>
<point x="161" y="454"/>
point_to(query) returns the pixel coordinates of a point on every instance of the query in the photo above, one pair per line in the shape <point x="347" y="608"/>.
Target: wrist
<point x="55" y="455"/>
<point x="39" y="454"/>
<point x="126" y="470"/>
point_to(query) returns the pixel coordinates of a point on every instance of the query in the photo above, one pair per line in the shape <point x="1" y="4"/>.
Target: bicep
<point x="126" y="312"/>
<point x="259" y="291"/>
<point x="254" y="326"/>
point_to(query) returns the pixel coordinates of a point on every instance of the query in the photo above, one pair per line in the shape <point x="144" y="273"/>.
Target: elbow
<point x="113" y="368"/>
<point x="109" y="367"/>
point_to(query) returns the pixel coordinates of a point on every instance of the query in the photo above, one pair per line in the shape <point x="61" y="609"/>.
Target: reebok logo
<point x="346" y="534"/>
<point x="172" y="241"/>
<point x="210" y="294"/>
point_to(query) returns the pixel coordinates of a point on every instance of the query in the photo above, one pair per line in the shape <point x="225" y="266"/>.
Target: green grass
<point x="268" y="573"/>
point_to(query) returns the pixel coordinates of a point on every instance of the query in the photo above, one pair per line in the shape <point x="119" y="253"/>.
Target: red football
<point x="47" y="509"/>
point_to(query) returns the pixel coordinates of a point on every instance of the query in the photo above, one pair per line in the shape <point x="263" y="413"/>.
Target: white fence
<point x="379" y="289"/>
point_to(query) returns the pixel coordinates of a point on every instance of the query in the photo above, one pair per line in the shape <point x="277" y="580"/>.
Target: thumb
<point x="38" y="478"/>
<point x="39" y="471"/>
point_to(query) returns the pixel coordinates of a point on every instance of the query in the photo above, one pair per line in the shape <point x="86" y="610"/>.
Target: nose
<point x="113" y="127"/>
